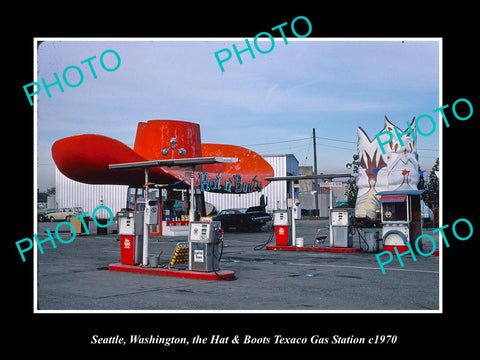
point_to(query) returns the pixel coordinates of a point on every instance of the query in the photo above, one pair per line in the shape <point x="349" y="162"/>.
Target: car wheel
<point x="41" y="218"/>
<point x="52" y="219"/>
<point x="67" y="218"/>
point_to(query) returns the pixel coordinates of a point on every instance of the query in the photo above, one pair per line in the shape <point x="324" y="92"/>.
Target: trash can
<point x="153" y="260"/>
<point x="102" y="230"/>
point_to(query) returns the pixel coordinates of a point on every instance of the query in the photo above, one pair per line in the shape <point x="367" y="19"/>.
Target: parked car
<point x="63" y="214"/>
<point x="245" y="219"/>
<point x="42" y="214"/>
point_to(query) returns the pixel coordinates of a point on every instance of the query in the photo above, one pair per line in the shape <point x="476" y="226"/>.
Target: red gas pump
<point x="130" y="229"/>
<point x="283" y="227"/>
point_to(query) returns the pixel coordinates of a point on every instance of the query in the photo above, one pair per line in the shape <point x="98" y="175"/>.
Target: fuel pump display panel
<point x="281" y="218"/>
<point x="340" y="218"/>
<point x="130" y="222"/>
<point x="200" y="232"/>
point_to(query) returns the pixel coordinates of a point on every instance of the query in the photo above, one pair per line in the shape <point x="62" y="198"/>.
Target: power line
<point x="307" y="151"/>
<point x="322" y="138"/>
<point x="337" y="147"/>
<point x="331" y="139"/>
<point x="307" y="138"/>
<point x="277" y="142"/>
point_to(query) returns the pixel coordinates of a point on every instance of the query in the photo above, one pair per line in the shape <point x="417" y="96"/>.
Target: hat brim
<point x="86" y="158"/>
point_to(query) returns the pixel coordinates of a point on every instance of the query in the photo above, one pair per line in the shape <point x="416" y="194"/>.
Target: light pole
<point x="355" y="164"/>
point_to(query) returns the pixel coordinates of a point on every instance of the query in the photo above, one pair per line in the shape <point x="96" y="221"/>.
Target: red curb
<point x="197" y="275"/>
<point x="307" y="248"/>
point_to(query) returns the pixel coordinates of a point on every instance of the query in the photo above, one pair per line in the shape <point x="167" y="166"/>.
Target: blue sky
<point x="330" y="85"/>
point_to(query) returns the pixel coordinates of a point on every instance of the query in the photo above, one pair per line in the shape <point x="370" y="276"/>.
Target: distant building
<point x="42" y="200"/>
<point x="306" y="194"/>
<point x="71" y="193"/>
<point x="275" y="194"/>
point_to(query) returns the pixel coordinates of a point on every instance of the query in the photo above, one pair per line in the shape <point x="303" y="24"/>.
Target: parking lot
<point x="75" y="276"/>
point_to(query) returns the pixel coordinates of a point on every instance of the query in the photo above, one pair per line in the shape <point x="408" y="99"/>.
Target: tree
<point x="351" y="191"/>
<point x="432" y="189"/>
<point x="421" y="180"/>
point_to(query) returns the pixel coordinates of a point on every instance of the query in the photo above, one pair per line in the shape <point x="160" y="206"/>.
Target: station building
<point x="174" y="199"/>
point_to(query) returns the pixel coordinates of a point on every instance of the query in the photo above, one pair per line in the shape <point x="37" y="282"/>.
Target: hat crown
<point x="155" y="135"/>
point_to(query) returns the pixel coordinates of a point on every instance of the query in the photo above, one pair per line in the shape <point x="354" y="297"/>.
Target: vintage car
<point x="244" y="219"/>
<point x="42" y="214"/>
<point x="63" y="214"/>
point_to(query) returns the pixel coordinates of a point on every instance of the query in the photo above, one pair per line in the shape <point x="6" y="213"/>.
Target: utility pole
<point x="317" y="213"/>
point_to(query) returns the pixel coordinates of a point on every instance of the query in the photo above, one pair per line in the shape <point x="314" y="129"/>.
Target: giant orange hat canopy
<point x="86" y="158"/>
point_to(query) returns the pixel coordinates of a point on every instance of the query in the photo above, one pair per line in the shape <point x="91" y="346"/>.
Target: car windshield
<point x="231" y="212"/>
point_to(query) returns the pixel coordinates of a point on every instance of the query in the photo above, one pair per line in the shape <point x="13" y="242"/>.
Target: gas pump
<point x="151" y="207"/>
<point x="204" y="240"/>
<point x="341" y="222"/>
<point x="130" y="229"/>
<point x="401" y="219"/>
<point x="282" y="220"/>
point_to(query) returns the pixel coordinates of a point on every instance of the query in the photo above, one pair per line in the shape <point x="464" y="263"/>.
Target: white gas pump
<point x="282" y="221"/>
<point x="151" y="207"/>
<point x="130" y="229"/>
<point x="204" y="239"/>
<point x="341" y="222"/>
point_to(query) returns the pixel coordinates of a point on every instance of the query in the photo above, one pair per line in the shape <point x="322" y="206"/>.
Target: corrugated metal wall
<point x="275" y="192"/>
<point x="307" y="200"/>
<point x="70" y="193"/>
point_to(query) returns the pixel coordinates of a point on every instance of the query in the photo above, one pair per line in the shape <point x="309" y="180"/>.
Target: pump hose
<point x="261" y="246"/>
<point x="355" y="229"/>
<point x="221" y="253"/>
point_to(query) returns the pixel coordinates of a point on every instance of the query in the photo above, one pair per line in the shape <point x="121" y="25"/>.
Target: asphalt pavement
<point x="75" y="276"/>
